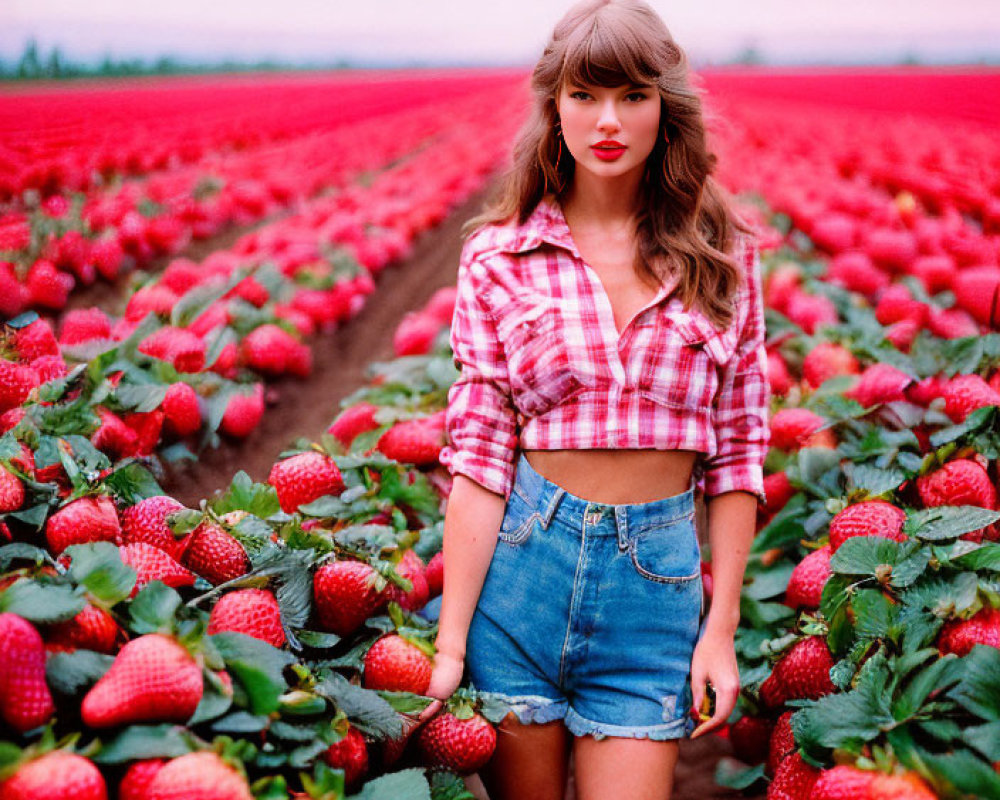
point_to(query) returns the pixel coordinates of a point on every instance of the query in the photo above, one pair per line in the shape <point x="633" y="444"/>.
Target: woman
<point x="609" y="331"/>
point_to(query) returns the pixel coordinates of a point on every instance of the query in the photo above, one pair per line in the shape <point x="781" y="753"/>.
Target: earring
<point x="665" y="137"/>
<point x="558" y="134"/>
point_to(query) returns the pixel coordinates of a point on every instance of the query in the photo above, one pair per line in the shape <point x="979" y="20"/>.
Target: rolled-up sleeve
<point x="740" y="414"/>
<point x="481" y="421"/>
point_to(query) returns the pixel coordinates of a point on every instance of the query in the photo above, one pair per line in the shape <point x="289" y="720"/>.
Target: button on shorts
<point x="590" y="612"/>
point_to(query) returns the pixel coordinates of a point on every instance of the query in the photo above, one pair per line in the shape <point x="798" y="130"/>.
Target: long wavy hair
<point x="687" y="221"/>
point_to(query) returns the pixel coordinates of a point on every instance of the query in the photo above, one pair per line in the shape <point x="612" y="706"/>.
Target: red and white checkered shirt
<point x="544" y="367"/>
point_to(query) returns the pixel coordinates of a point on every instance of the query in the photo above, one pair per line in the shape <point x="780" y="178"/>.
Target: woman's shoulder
<point x="507" y="237"/>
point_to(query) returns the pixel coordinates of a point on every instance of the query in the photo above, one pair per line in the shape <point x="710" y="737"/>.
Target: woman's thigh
<point x="529" y="763"/>
<point x="639" y="769"/>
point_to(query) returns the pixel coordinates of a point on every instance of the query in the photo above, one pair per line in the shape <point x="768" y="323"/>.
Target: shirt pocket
<point x="539" y="359"/>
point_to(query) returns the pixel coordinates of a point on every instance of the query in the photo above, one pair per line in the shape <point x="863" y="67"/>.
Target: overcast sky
<point x="498" y="31"/>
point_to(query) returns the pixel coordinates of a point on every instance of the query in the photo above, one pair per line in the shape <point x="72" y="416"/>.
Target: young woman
<point x="609" y="332"/>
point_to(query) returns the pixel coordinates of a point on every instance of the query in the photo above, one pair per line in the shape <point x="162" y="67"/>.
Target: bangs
<point x="609" y="56"/>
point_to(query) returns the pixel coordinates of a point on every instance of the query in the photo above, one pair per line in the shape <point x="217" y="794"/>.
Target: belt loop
<point x="621" y="523"/>
<point x="553" y="504"/>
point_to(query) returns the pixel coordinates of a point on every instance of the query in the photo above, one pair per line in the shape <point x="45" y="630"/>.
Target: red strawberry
<point x="868" y="518"/>
<point x="83" y="325"/>
<point x="977" y="291"/>
<point x="792" y="428"/>
<point x="843" y="782"/>
<point x="35" y="340"/>
<point x="435" y="574"/>
<point x="855" y="271"/>
<point x="458" y="745"/>
<point x="778" y="374"/>
<point x="49" y="368"/>
<point x="834" y="232"/>
<point x="152" y="679"/>
<point x="441" y="306"/>
<point x="880" y="383"/>
<point x="57" y="775"/>
<point x="25" y="700"/>
<point x="16" y="383"/>
<point x="114" y="437"/>
<point x="805" y="586"/>
<point x="890" y="249"/>
<point x="415" y="441"/>
<point x="243" y="412"/>
<point x="811" y="311"/>
<point x="87" y="519"/>
<point x="183" y="349"/>
<point x="107" y="255"/>
<point x="924" y="392"/>
<point x="137" y="778"/>
<point x="92" y="629"/>
<point x="952" y="323"/>
<point x="152" y="564"/>
<point x="199" y="776"/>
<point x="146" y="521"/>
<point x="959" y="636"/>
<point x="47" y="286"/>
<point x="896" y="304"/>
<point x="254" y="612"/>
<point x="349" y="754"/>
<point x="411" y="566"/>
<point x="345" y="595"/>
<point x="182" y="413"/>
<point x="779" y="491"/>
<point x="959" y="483"/>
<point x="396" y="665"/>
<point x="214" y="554"/>
<point x="965" y="393"/>
<point x="908" y="786"/>
<point x="271" y="350"/>
<point x="749" y="737"/>
<point x="782" y="283"/>
<point x="794" y="780"/>
<point x="352" y="421"/>
<point x="801" y="673"/>
<point x="780" y="743"/>
<point x="11" y="491"/>
<point x="304" y="478"/>
<point x="415" y="334"/>
<point x="826" y="361"/>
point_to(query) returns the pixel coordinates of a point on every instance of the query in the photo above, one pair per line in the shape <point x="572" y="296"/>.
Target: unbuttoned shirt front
<point x="543" y="365"/>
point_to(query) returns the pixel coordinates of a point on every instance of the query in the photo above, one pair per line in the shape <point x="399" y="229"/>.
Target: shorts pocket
<point x="667" y="553"/>
<point x="518" y="520"/>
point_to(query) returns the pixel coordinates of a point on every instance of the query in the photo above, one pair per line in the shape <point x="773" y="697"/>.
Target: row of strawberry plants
<point x="71" y="240"/>
<point x="274" y="636"/>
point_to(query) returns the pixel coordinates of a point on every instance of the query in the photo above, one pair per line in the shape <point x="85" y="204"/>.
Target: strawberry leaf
<point x="257" y="665"/>
<point x="946" y="522"/>
<point x="140" y="397"/>
<point x="22" y="551"/>
<point x="894" y="563"/>
<point x="364" y="707"/>
<point x="241" y="722"/>
<point x="978" y="691"/>
<point x="258" y="499"/>
<point x="153" y="608"/>
<point x="71" y="673"/>
<point x="98" y="567"/>
<point x="409" y="783"/>
<point x="986" y="556"/>
<point x="984" y="738"/>
<point x="139" y="742"/>
<point x="41" y="603"/>
<point x="131" y="483"/>
<point x="736" y="775"/>
<point x="970" y="776"/>
<point x="406" y="702"/>
<point x="449" y="786"/>
<point x="943" y="595"/>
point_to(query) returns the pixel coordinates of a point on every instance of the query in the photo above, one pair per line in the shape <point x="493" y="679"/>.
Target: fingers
<point x="725" y="702"/>
<point x="429" y="712"/>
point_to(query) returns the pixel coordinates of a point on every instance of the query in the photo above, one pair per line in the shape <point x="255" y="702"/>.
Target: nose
<point x="608" y="122"/>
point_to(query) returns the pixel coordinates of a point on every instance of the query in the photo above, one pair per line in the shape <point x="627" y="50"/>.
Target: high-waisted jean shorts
<point x="590" y="612"/>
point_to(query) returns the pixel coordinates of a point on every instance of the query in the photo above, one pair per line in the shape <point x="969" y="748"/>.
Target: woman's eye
<point x="637" y="96"/>
<point x="579" y="95"/>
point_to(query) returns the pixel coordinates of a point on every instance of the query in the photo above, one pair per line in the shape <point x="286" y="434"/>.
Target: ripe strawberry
<point x="855" y="271"/>
<point x="182" y="413"/>
<point x="827" y="360"/>
<point x="57" y="775"/>
<point x="414" y="441"/>
<point x="415" y="334"/>
<point x="803" y="672"/>
<point x="458" y="745"/>
<point x="11" y="491"/>
<point x="183" y="349"/>
<point x="805" y="586"/>
<point x="107" y="255"/>
<point x="924" y="392"/>
<point x="114" y="437"/>
<point x="441" y="306"/>
<point x="352" y="421"/>
<point x="896" y="304"/>
<point x="809" y="311"/>
<point x="951" y="323"/>
<point x="782" y="284"/>
<point x="749" y="737"/>
<point x="49" y="368"/>
<point x="411" y="566"/>
<point x="87" y="519"/>
<point x="965" y="393"/>
<point x="271" y="350"/>
<point x="345" y="595"/>
<point x="834" y="232"/>
<point x="780" y="744"/>
<point x="959" y="636"/>
<point x="890" y="249"/>
<point x="793" y="780"/>
<point x="254" y="612"/>
<point x="394" y="664"/>
<point x="349" y="754"/>
<point x="137" y="778"/>
<point x="435" y="574"/>
<point x="91" y="629"/>
<point x="907" y="786"/>
<point x="25" y="700"/>
<point x="792" y="428"/>
<point x="35" y="340"/>
<point x="304" y="478"/>
<point x="214" y="554"/>
<point x="843" y="782"/>
<point x="152" y="679"/>
<point x="778" y="374"/>
<point x="47" y="286"/>
<point x="243" y="413"/>
<point x="962" y="482"/>
<point x="868" y="518"/>
<point x="779" y="491"/>
<point x="199" y="776"/>
<point x="83" y="325"/>
<point x="976" y="291"/>
<point x="16" y="383"/>
<point x="901" y="334"/>
<point x="152" y="564"/>
<point x="146" y="521"/>
<point x="879" y="383"/>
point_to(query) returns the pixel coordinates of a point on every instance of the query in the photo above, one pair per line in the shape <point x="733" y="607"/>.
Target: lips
<point x="608" y="144"/>
<point x="608" y="150"/>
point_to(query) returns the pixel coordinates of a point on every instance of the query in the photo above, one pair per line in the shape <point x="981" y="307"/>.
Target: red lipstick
<point x="608" y="149"/>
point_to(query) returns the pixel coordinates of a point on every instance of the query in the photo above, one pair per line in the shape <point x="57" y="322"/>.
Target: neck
<point x="607" y="201"/>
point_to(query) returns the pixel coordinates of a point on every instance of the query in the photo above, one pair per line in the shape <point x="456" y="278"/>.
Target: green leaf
<point x="215" y="700"/>
<point x="902" y="562"/>
<point x="22" y="551"/>
<point x="733" y="774"/>
<point x="257" y="665"/>
<point x="406" y="702"/>
<point x="770" y="582"/>
<point x="943" y="595"/>
<point x="41" y="603"/>
<point x="366" y="708"/>
<point x="410" y="784"/>
<point x="978" y="691"/>
<point x="984" y="738"/>
<point x="70" y="673"/>
<point x="153" y="608"/>
<point x="140" y="742"/>
<point x="877" y="481"/>
<point x="319" y="640"/>
<point x="986" y="556"/>
<point x="241" y="722"/>
<point x="784" y="529"/>
<point x="969" y="775"/>
<point x="259" y="499"/>
<point x="142" y="398"/>
<point x="98" y="567"/>
<point x="132" y="483"/>
<point x="931" y="678"/>
<point x="449" y="786"/>
<point x="946" y="522"/>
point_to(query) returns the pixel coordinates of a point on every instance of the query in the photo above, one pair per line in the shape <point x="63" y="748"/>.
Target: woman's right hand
<point x="445" y="678"/>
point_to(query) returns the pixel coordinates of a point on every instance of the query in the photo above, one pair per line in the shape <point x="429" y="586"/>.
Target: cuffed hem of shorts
<point x="531" y="708"/>
<point x="581" y="726"/>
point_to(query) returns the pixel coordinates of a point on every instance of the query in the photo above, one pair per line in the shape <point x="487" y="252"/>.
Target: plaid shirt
<point x="544" y="367"/>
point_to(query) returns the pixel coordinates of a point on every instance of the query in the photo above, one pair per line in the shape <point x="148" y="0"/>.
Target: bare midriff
<point x="616" y="476"/>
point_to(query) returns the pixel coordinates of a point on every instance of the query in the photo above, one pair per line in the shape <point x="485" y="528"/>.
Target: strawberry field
<point x="223" y="378"/>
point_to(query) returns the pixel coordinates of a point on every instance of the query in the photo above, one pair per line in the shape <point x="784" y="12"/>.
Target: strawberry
<point x="459" y="745"/>
<point x="779" y="491"/>
<point x="57" y="775"/>
<point x="826" y="361"/>
<point x="803" y="672"/>
<point x="906" y="786"/>
<point x="778" y="375"/>
<point x="214" y="554"/>
<point x="843" y="782"/>
<point x="411" y="566"/>
<point x="868" y="518"/>
<point x="809" y="311"/>
<point x="965" y="393"/>
<point x="254" y="612"/>
<point x="793" y="780"/>
<point x="146" y="521"/>
<point x="959" y="636"/>
<point x="93" y="628"/>
<point x="11" y="491"/>
<point x="435" y="574"/>
<point x="952" y="323"/>
<point x="855" y="271"/>
<point x="84" y="325"/>
<point x="346" y="593"/>
<point x="879" y="383"/>
<point x="349" y="754"/>
<point x="792" y="428"/>
<point x="780" y="743"/>
<point x="749" y="737"/>
<point x="152" y="564"/>
<point x="107" y="255"/>
<point x="962" y="482"/>
<point x="137" y="778"/>
<point x="977" y="291"/>
<point x="16" y="383"/>
<point x="243" y="412"/>
<point x="805" y="586"/>
<point x="925" y="391"/>
<point x="834" y="232"/>
<point x="890" y="249"/>
<point x="304" y="478"/>
<point x="441" y="306"/>
<point x="47" y="286"/>
<point x="87" y="519"/>
<point x="414" y="441"/>
<point x="25" y="700"/>
<point x="181" y="411"/>
<point x="896" y="304"/>
<point x="396" y="665"/>
<point x="415" y="334"/>
<point x="49" y="368"/>
<point x="114" y="437"/>
<point x="35" y="340"/>
<point x="352" y="421"/>
<point x="152" y="679"/>
<point x="14" y="296"/>
<point x="199" y="776"/>
<point x="271" y="350"/>
<point x="782" y="283"/>
<point x="183" y="349"/>
<point x="901" y="334"/>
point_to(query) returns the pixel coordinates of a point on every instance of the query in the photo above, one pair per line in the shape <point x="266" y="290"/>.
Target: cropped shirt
<point x="543" y="366"/>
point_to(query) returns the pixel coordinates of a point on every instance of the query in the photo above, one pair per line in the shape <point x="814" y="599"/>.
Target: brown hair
<point x="686" y="215"/>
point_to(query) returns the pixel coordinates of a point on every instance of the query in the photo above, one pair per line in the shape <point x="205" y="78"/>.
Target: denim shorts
<point x="590" y="612"/>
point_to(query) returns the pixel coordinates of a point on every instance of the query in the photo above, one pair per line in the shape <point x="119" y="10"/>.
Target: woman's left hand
<point x="714" y="662"/>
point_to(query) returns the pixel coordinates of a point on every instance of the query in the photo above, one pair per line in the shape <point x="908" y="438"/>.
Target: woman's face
<point x="609" y="131"/>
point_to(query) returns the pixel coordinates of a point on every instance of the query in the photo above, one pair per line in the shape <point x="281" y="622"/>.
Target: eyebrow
<point x="629" y="86"/>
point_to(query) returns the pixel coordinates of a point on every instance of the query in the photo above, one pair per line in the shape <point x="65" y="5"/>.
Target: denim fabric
<point x="590" y="612"/>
